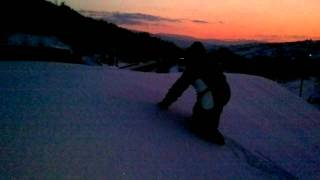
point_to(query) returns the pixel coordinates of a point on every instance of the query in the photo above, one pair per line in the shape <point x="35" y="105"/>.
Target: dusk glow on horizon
<point x="263" y="20"/>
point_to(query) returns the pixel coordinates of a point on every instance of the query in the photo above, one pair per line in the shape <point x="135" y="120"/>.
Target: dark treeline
<point x="85" y="35"/>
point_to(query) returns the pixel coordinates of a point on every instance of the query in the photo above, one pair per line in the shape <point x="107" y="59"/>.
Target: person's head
<point x="195" y="54"/>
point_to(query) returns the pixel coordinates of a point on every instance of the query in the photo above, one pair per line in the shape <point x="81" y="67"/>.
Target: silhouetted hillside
<point x="83" y="34"/>
<point x="281" y="61"/>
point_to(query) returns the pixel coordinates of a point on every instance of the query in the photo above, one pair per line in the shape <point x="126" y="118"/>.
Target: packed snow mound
<point x="62" y="121"/>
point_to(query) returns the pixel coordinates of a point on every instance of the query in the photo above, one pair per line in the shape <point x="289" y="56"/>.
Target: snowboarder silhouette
<point x="213" y="92"/>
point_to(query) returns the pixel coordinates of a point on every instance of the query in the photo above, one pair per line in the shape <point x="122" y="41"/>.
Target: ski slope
<point x="62" y="121"/>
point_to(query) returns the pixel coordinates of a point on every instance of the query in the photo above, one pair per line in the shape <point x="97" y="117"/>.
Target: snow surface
<point x="62" y="121"/>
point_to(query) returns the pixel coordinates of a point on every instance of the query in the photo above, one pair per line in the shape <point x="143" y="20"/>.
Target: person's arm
<point x="176" y="90"/>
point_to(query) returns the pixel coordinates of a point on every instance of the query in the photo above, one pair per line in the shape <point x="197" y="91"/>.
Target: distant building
<point x="30" y="40"/>
<point x="22" y="46"/>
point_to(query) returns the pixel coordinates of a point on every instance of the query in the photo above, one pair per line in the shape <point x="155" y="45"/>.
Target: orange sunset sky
<point x="266" y="20"/>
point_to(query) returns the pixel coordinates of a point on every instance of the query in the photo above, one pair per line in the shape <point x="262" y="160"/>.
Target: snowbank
<point x="62" y="121"/>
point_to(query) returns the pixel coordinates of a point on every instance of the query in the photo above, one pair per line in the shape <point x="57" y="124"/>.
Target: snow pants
<point x="210" y="119"/>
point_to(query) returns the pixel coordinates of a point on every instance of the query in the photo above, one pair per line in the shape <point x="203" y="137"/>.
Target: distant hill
<point x="284" y="49"/>
<point x="85" y="35"/>
<point x="285" y="60"/>
<point x="185" y="41"/>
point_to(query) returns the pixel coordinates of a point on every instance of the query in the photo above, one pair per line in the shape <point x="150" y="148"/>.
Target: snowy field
<point x="62" y="121"/>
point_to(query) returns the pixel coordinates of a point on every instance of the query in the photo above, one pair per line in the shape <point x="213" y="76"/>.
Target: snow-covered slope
<point x="61" y="121"/>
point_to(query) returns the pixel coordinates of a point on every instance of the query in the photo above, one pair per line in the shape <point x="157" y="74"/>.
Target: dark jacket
<point x="209" y="73"/>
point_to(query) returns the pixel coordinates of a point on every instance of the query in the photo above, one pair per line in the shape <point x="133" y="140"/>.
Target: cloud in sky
<point x="120" y="18"/>
<point x="200" y="21"/>
<point x="129" y="18"/>
<point x="154" y="23"/>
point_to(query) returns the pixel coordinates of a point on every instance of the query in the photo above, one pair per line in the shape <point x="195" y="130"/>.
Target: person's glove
<point x="162" y="105"/>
